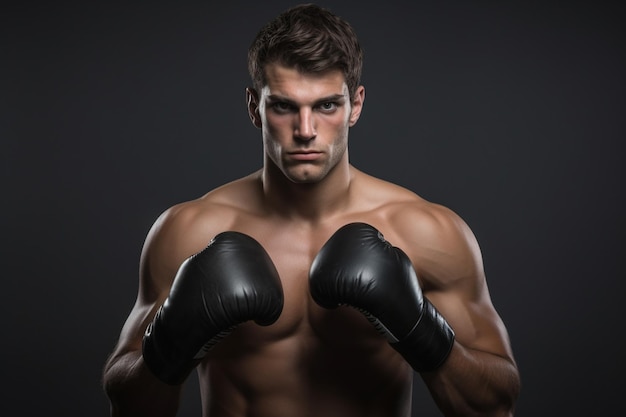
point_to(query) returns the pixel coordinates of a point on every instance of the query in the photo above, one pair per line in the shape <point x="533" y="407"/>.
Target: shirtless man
<point x="287" y="312"/>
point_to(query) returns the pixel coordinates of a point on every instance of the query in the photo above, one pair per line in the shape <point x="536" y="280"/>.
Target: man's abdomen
<point x="333" y="363"/>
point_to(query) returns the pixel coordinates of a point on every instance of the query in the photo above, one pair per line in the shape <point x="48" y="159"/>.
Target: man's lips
<point x="305" y="155"/>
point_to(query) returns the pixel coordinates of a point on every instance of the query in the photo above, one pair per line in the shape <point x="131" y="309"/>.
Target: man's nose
<point x="305" y="125"/>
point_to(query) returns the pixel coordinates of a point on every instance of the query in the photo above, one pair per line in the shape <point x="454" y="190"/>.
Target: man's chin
<point x="307" y="180"/>
<point x="307" y="177"/>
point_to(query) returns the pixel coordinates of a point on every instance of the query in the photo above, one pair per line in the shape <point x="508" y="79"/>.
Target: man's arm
<point x="462" y="350"/>
<point x="131" y="387"/>
<point x="480" y="376"/>
<point x="204" y="285"/>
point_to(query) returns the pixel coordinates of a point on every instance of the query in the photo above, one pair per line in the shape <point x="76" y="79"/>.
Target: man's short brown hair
<point x="310" y="39"/>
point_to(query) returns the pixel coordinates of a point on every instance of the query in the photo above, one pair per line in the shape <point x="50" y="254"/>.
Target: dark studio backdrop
<point x="510" y="113"/>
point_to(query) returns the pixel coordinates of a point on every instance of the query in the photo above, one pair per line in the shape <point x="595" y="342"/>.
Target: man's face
<point x="305" y="120"/>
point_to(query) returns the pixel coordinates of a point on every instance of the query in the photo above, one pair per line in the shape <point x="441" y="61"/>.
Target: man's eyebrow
<point x="276" y="97"/>
<point x="333" y="97"/>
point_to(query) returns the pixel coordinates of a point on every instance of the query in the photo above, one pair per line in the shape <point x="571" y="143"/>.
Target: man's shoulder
<point x="225" y="200"/>
<point x="412" y="218"/>
<point x="240" y="194"/>
<point x="418" y="217"/>
<point x="398" y="202"/>
<point x="440" y="244"/>
<point x="201" y="219"/>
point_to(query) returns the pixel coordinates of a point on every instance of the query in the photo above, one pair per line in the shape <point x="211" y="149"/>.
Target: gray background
<point x="510" y="113"/>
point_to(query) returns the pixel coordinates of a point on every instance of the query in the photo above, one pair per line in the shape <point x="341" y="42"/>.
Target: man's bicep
<point x="153" y="289"/>
<point x="166" y="246"/>
<point x="474" y="320"/>
<point x="449" y="262"/>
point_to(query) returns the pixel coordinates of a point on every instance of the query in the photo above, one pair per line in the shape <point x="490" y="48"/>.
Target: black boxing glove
<point x="232" y="281"/>
<point x="357" y="267"/>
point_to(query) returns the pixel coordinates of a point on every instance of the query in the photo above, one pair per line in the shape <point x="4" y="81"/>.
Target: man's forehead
<point x="287" y="81"/>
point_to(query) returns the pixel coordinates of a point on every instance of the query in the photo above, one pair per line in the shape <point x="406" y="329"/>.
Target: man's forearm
<point x="473" y="382"/>
<point x="134" y="391"/>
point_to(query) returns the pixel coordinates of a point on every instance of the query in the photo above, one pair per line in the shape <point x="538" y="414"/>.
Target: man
<point x="309" y="288"/>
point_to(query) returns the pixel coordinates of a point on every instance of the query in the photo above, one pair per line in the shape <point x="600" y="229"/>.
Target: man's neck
<point x="307" y="201"/>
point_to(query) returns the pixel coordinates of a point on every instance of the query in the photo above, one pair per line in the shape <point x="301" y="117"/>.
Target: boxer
<point x="308" y="287"/>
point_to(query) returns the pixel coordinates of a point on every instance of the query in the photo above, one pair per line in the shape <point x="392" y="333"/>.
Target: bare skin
<point x="312" y="361"/>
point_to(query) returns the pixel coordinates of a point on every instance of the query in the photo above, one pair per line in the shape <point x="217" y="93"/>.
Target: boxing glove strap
<point x="160" y="360"/>
<point x="428" y="345"/>
<point x="167" y="358"/>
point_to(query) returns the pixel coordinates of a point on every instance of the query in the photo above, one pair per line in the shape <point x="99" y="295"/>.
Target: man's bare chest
<point x="293" y="249"/>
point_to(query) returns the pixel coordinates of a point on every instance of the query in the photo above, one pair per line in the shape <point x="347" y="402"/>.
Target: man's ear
<point x="357" y="105"/>
<point x="252" y="100"/>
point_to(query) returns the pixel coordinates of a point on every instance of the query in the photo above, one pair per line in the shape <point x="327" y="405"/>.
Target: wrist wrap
<point x="428" y="345"/>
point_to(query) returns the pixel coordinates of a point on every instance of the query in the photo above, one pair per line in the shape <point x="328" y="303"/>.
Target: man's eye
<point x="281" y="107"/>
<point x="328" y="106"/>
